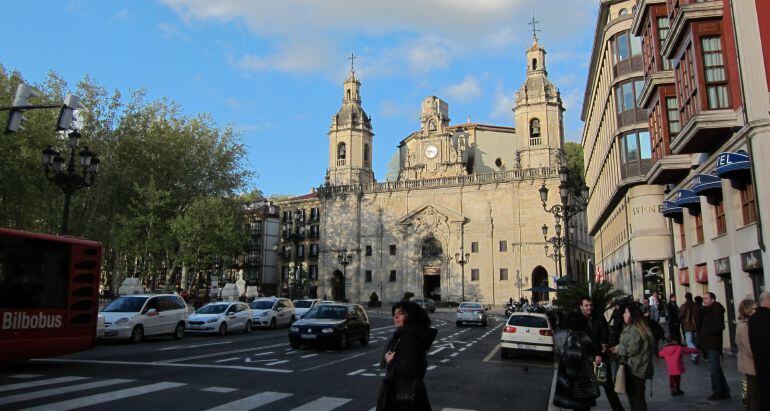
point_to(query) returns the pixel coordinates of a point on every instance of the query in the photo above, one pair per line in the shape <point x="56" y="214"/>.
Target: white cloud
<point x="294" y="56"/>
<point x="171" y="31"/>
<point x="464" y="91"/>
<point x="503" y="104"/>
<point x="573" y="99"/>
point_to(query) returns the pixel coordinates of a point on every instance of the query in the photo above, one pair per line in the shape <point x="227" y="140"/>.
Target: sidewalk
<point x="696" y="383"/>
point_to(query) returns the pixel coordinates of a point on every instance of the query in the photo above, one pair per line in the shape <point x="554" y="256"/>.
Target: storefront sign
<point x="751" y="261"/>
<point x="701" y="274"/>
<point x="684" y="276"/>
<point x="722" y="266"/>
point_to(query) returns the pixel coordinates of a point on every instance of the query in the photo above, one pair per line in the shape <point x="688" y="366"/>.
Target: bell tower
<point x="350" y="138"/>
<point x="538" y="112"/>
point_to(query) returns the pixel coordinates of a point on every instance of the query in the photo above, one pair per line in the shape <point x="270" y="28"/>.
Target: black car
<point x="332" y="324"/>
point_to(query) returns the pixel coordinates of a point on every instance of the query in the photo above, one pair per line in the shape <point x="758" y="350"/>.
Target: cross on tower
<point x="352" y="59"/>
<point x="534" y="24"/>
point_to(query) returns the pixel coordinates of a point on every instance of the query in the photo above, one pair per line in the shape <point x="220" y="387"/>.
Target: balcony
<point x="670" y="169"/>
<point x="641" y="9"/>
<point x="706" y="131"/>
<point x="652" y="83"/>
<point x="681" y="14"/>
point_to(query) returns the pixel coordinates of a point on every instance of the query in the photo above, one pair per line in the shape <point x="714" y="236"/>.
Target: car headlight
<point x="327" y="330"/>
<point x="212" y="320"/>
<point x="294" y="329"/>
<point x="265" y="314"/>
<point x="121" y="321"/>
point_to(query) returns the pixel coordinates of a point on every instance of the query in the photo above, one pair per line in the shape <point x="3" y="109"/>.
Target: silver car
<point x="427" y="304"/>
<point x="471" y="312"/>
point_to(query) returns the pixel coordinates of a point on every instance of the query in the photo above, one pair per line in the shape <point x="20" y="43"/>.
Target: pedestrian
<point x="710" y="342"/>
<point x="635" y="354"/>
<point x="405" y="360"/>
<point x="759" y="339"/>
<point x="689" y="313"/>
<point x="672" y="318"/>
<point x="576" y="384"/>
<point x="655" y="328"/>
<point x="745" y="357"/>
<point x="655" y="307"/>
<point x="672" y="353"/>
<point x="598" y="331"/>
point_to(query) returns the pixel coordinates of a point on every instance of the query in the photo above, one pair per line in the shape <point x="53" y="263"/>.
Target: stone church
<point x="462" y="221"/>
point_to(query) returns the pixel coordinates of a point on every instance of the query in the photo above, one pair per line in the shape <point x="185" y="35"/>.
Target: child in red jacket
<point x="672" y="353"/>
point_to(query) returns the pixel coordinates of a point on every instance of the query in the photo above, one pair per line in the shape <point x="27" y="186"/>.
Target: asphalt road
<point x="260" y="370"/>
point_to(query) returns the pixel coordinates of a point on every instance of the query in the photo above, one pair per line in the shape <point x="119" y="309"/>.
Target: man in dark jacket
<point x="598" y="331"/>
<point x="759" y="339"/>
<point x="689" y="313"/>
<point x="710" y="341"/>
<point x="672" y="317"/>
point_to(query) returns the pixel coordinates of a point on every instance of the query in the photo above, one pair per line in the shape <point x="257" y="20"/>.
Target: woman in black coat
<point x="576" y="385"/>
<point x="405" y="360"/>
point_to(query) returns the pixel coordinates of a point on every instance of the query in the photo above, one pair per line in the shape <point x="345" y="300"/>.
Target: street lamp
<point x="462" y="258"/>
<point x="557" y="241"/>
<point x="345" y="258"/>
<point x="65" y="174"/>
<point x="294" y="228"/>
<point x="574" y="200"/>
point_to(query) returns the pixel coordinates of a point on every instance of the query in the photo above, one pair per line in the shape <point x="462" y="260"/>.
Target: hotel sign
<point x="751" y="261"/>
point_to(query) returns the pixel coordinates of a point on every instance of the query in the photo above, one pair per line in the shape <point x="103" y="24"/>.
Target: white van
<point x="134" y="317"/>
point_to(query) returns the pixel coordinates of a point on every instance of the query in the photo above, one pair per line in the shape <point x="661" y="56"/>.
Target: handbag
<point x="585" y="386"/>
<point x="620" y="379"/>
<point x="405" y="390"/>
<point x="600" y="371"/>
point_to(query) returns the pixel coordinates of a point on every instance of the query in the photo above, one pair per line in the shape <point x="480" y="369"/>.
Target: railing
<point x="340" y="162"/>
<point x="498" y="177"/>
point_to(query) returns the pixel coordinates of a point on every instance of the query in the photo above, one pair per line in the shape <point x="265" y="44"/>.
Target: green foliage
<point x="574" y="154"/>
<point x="374" y="297"/>
<point x="604" y="296"/>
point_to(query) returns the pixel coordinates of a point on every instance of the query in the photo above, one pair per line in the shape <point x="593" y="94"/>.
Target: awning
<point x="701" y="274"/>
<point x="686" y="198"/>
<point x="670" y="210"/>
<point x="706" y="184"/>
<point x="732" y="165"/>
<point x="684" y="276"/>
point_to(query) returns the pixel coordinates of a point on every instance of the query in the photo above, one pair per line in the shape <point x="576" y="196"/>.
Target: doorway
<point x="431" y="283"/>
<point x="338" y="286"/>
<point x="729" y="304"/>
<point x="539" y="277"/>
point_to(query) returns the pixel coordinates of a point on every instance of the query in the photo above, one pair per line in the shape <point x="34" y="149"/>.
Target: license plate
<point x="308" y="336"/>
<point x="526" y="346"/>
<point x="195" y="327"/>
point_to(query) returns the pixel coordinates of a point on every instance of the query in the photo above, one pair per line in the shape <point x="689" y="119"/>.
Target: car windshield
<point x="212" y="309"/>
<point x="528" y="321"/>
<point x="303" y="304"/>
<point x="262" y="305"/>
<point x="125" y="305"/>
<point x="470" y="305"/>
<point x="327" y="312"/>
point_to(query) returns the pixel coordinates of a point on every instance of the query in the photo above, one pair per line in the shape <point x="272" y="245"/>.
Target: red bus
<point x="49" y="294"/>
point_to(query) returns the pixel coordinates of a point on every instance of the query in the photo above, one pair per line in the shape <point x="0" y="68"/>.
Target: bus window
<point x="33" y="273"/>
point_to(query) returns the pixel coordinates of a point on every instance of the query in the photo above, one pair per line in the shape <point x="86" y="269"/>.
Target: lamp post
<point x="293" y="235"/>
<point x="344" y="258"/>
<point x="574" y="200"/>
<point x="557" y="241"/>
<point x="67" y="175"/>
<point x="462" y="258"/>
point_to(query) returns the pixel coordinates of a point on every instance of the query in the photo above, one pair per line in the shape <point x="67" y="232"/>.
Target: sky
<point x="274" y="69"/>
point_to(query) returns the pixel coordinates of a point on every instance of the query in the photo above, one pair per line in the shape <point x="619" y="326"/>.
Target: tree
<point x="394" y="167"/>
<point x="574" y="154"/>
<point x="604" y="296"/>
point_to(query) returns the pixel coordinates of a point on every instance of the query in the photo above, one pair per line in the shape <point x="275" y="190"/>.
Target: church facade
<point x="462" y="221"/>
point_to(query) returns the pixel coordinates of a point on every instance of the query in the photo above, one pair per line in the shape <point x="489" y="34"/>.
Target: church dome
<point x="353" y="113"/>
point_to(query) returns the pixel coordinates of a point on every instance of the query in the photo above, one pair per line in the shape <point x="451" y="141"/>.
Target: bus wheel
<point x="137" y="334"/>
<point x="178" y="332"/>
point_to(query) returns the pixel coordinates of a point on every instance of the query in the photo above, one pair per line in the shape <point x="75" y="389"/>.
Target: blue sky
<point x="274" y="69"/>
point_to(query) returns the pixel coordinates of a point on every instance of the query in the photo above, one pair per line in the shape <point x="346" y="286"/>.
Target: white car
<point x="527" y="332"/>
<point x="99" y="326"/>
<point x="272" y="312"/>
<point x="303" y="306"/>
<point x="134" y="317"/>
<point x="220" y="317"/>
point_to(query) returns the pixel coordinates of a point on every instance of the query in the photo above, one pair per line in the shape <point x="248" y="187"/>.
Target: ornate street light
<point x="67" y="175"/>
<point x="345" y="258"/>
<point x="462" y="258"/>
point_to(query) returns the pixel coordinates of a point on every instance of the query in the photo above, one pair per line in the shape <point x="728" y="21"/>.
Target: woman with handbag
<point x="635" y="357"/>
<point x="405" y="360"/>
<point x="576" y="385"/>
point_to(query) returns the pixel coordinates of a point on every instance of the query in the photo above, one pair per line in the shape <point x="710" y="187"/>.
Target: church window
<point x="475" y="247"/>
<point x="392" y="278"/>
<point x="474" y="274"/>
<point x="354" y="118"/>
<point x="366" y="154"/>
<point x="499" y="162"/>
<point x="534" y="64"/>
<point x="432" y="125"/>
<point x="622" y="12"/>
<point x="368" y="278"/>
<point x="368" y="251"/>
<point x="503" y="274"/>
<point x="392" y="249"/>
<point x="341" y="151"/>
<point x="534" y="132"/>
<point x="431" y="247"/>
<point x="503" y="246"/>
<point x="348" y="94"/>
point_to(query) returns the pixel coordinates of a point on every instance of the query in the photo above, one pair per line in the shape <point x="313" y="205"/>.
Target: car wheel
<point x="291" y="321"/>
<point x="178" y="332"/>
<point x="484" y="323"/>
<point x="272" y="323"/>
<point x="137" y="334"/>
<point x="365" y="339"/>
<point x="247" y="328"/>
<point x="458" y="323"/>
<point x="343" y="342"/>
<point x="294" y="344"/>
<point x="504" y="353"/>
<point x="223" y="329"/>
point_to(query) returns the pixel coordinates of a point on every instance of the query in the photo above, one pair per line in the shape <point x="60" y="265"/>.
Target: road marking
<point x="455" y="409"/>
<point x="277" y="362"/>
<point x="323" y="404"/>
<point x="377" y="364"/>
<point x="309" y="355"/>
<point x="357" y="371"/>
<point x="58" y="391"/>
<point x="252" y="402"/>
<point x="338" y="361"/>
<point x="106" y="397"/>
<point x="435" y="351"/>
<point x="228" y="359"/>
<point x="219" y="354"/>
<point x="221" y="390"/>
<point x="445" y="360"/>
<point x="432" y="367"/>
<point x="160" y="364"/>
<point x="194" y="346"/>
<point x="39" y="383"/>
<point x="462" y="349"/>
<point x="368" y="374"/>
<point x="26" y="376"/>
<point x="454" y="354"/>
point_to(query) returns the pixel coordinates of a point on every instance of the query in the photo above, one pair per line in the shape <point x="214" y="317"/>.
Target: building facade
<point x="632" y="240"/>
<point x="708" y="104"/>
<point x="462" y="221"/>
<point x="298" y="247"/>
<point x="260" y="263"/>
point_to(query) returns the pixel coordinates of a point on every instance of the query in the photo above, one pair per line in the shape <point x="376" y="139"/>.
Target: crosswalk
<point x="37" y="392"/>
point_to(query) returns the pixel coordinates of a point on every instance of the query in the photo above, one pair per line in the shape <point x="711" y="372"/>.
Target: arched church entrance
<point x="432" y="262"/>
<point x="539" y="278"/>
<point x="338" y="286"/>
